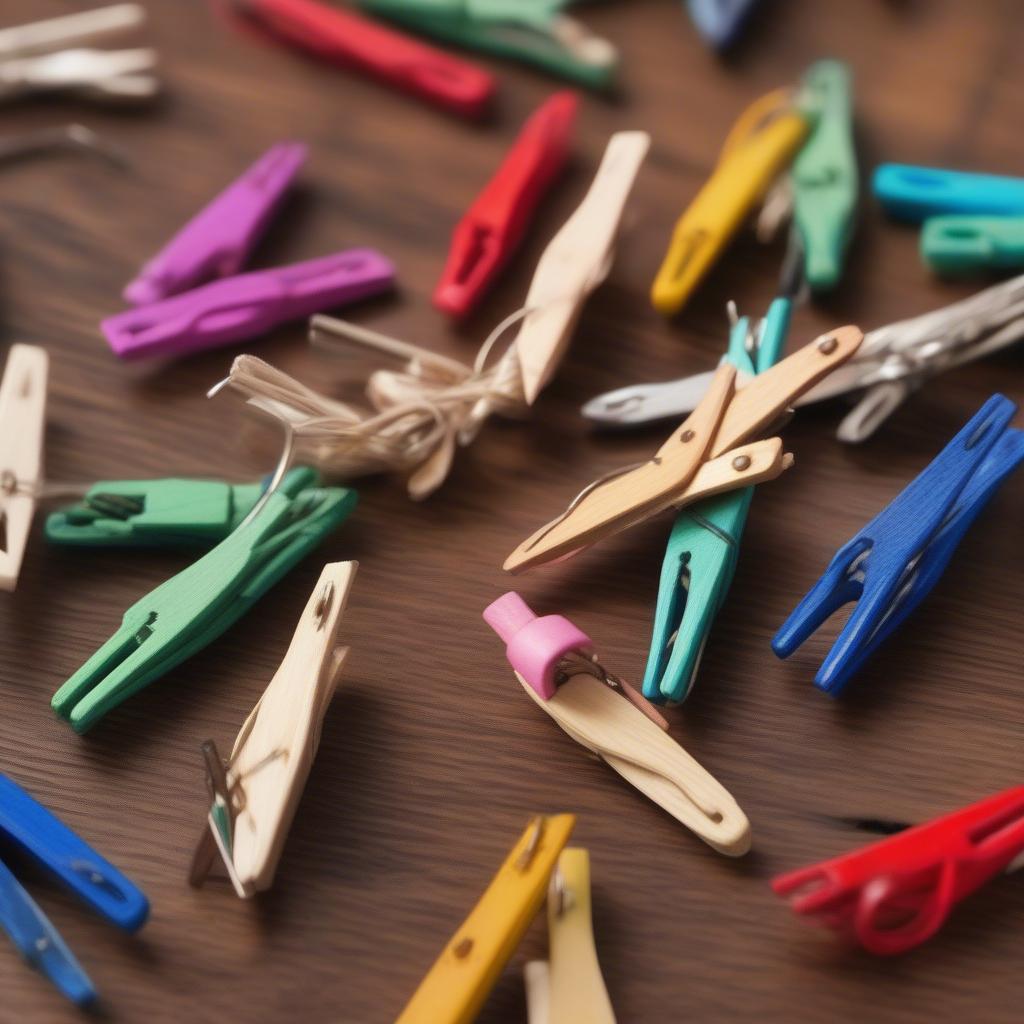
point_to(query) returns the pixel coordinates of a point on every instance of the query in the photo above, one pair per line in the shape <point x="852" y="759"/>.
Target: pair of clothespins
<point x="536" y="32"/>
<point x="32" y="831"/>
<point x="703" y="548"/>
<point x="51" y="56"/>
<point x="256" y="793"/>
<point x="422" y="413"/>
<point x="895" y="894"/>
<point x="348" y="40"/>
<point x="494" y="226"/>
<point x="892" y="362"/>
<point x="555" y="663"/>
<point x="568" y="986"/>
<point x="719" y="22"/>
<point x="972" y="223"/>
<point x="179" y="311"/>
<point x="891" y="565"/>
<point x="711" y="453"/>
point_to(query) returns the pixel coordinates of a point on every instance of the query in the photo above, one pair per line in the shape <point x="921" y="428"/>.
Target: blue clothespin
<point x="33" y="831"/>
<point x="719" y="22"/>
<point x="916" y="193"/>
<point x="702" y="550"/>
<point x="889" y="567"/>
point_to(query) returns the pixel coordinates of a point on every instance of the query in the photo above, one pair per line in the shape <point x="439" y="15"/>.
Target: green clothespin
<point x="703" y="547"/>
<point x="190" y="610"/>
<point x="960" y="244"/>
<point x="825" y="174"/>
<point x="158" y="513"/>
<point x="533" y="31"/>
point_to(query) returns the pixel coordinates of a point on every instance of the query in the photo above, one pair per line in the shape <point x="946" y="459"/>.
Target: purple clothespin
<point x="248" y="305"/>
<point x="217" y="241"/>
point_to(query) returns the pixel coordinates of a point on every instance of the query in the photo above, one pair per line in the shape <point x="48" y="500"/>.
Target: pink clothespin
<point x="217" y="241"/>
<point x="246" y="306"/>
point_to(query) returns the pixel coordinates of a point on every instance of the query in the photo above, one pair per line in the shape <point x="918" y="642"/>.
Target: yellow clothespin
<point x="568" y="987"/>
<point x="22" y="428"/>
<point x="761" y="144"/>
<point x="256" y="794"/>
<point x="457" y="985"/>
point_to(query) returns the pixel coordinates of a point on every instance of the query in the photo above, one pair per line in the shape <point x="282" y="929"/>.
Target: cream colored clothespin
<point x="568" y="987"/>
<point x="257" y="793"/>
<point x="710" y="453"/>
<point x="423" y="412"/>
<point x="22" y="430"/>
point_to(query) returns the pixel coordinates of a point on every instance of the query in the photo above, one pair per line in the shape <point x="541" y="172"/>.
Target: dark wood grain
<point x="432" y="759"/>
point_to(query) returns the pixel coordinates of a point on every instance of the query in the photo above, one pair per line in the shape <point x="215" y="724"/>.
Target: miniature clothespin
<point x="554" y="662"/>
<point x="568" y="986"/>
<point x="703" y="548"/>
<point x="494" y="226"/>
<point x="720" y="22"/>
<point x="157" y="513"/>
<point x="455" y="988"/>
<point x="49" y="56"/>
<point x="895" y="894"/>
<point x="532" y="31"/>
<point x="422" y="413"/>
<point x="217" y="241"/>
<point x="247" y="305"/>
<point x="961" y="245"/>
<point x="189" y="611"/>
<point x="891" y="565"/>
<point x="916" y="193"/>
<point x="710" y="453"/>
<point x="34" y="832"/>
<point x="257" y="793"/>
<point x="22" y="433"/>
<point x="757" y="150"/>
<point x="343" y="38"/>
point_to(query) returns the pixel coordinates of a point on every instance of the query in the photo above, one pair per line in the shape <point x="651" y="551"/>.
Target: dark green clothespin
<point x="158" y="513"/>
<point x="962" y="244"/>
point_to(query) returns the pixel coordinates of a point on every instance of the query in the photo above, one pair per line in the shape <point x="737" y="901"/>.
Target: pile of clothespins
<point x="792" y="157"/>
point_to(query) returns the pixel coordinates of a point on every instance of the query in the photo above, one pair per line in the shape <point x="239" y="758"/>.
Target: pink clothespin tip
<point x="217" y="241"/>
<point x="534" y="646"/>
<point x="246" y="306"/>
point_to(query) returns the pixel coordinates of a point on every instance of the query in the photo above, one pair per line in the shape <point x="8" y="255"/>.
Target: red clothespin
<point x="342" y="37"/>
<point x="494" y="226"/>
<point x="896" y="893"/>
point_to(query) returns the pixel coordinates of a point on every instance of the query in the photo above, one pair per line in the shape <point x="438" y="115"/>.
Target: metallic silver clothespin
<point x="49" y="56"/>
<point x="892" y="362"/>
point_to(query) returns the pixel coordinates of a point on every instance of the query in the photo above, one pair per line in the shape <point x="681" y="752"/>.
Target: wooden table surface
<point x="432" y="759"/>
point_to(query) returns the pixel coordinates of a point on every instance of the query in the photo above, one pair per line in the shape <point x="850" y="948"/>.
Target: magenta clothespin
<point x="534" y="646"/>
<point x="248" y="305"/>
<point x="217" y="241"/>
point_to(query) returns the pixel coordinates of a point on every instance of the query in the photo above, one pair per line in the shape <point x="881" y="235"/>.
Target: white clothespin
<point x="256" y="794"/>
<point x="22" y="429"/>
<point x="47" y="56"/>
<point x="568" y="986"/>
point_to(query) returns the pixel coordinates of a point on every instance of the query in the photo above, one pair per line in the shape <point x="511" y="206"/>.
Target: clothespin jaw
<point x="607" y="716"/>
<point x="960" y="245"/>
<point x="248" y="305"/>
<point x="154" y="513"/>
<point x="218" y="240"/>
<point x="895" y="894"/>
<point x="532" y="31"/>
<point x="891" y="564"/>
<point x="190" y="610"/>
<point x="568" y="986"/>
<point x="720" y="22"/>
<point x="760" y="146"/>
<point x="22" y="434"/>
<point x="915" y="193"/>
<point x="456" y="986"/>
<point x="825" y="175"/>
<point x="494" y="226"/>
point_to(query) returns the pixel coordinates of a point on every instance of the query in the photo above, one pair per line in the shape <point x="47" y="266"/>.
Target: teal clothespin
<point x="190" y="610"/>
<point x="158" y="513"/>
<point x="825" y="174"/>
<point x="533" y="31"/>
<point x="960" y="244"/>
<point x="704" y="544"/>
